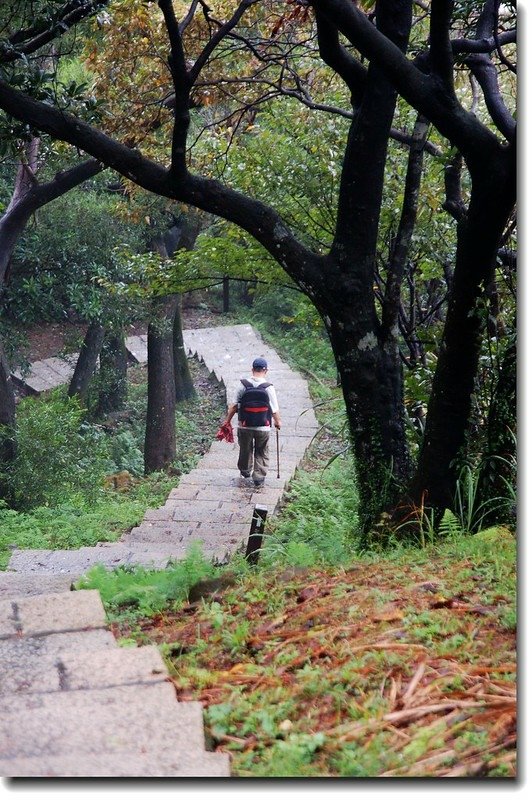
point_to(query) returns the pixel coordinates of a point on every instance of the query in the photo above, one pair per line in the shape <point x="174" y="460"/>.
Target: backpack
<point x="254" y="408"/>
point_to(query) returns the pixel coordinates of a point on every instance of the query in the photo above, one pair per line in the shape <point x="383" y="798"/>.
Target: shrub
<point x="58" y="454"/>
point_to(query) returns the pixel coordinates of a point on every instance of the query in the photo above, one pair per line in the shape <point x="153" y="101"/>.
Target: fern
<point x="450" y="525"/>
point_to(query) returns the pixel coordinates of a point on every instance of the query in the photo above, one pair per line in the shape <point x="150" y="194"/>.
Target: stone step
<point x="230" y="478"/>
<point x="150" y="763"/>
<point x="14" y="583"/>
<point x="77" y="562"/>
<point x="99" y="720"/>
<point x="21" y="649"/>
<point x="74" y="671"/>
<point x="158" y="538"/>
<point x="137" y="346"/>
<point x="51" y="613"/>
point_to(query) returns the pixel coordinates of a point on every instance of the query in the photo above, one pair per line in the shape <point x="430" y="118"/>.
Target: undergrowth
<point x="394" y="665"/>
<point x="78" y="481"/>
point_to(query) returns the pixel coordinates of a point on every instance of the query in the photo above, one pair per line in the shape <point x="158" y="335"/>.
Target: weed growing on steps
<point x="131" y="592"/>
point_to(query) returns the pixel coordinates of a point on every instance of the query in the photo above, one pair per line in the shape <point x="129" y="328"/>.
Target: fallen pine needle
<point x="407" y="695"/>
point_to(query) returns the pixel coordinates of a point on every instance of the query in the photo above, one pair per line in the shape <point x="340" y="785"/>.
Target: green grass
<point x="79" y="522"/>
<point x="279" y="662"/>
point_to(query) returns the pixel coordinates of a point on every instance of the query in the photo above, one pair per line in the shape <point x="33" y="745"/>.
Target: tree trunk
<point x="160" y="439"/>
<point x="372" y="386"/>
<point x="113" y="373"/>
<point x="87" y="360"/>
<point x="497" y="474"/>
<point x="225" y="287"/>
<point x="248" y="293"/>
<point x="184" y="385"/>
<point x="7" y="418"/>
<point x="450" y="404"/>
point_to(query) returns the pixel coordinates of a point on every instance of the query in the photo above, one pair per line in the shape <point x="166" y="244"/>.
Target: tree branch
<point x="440" y="50"/>
<point x="220" y="34"/>
<point x="29" y="40"/>
<point x="182" y="85"/>
<point x="339" y="59"/>
<point x="392" y="294"/>
<point x="253" y="216"/>
<point x="485" y="72"/>
<point x="454" y="203"/>
<point x="418" y="89"/>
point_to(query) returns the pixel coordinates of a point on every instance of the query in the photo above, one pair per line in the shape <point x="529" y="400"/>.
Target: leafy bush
<point x="319" y="525"/>
<point x="125" y="453"/>
<point x="69" y="525"/>
<point x="58" y="259"/>
<point x="58" y="454"/>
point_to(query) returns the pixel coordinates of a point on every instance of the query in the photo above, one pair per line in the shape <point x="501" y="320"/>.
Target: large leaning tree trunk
<point x="160" y="438"/>
<point x="429" y="87"/>
<point x="365" y="347"/>
<point x="87" y="361"/>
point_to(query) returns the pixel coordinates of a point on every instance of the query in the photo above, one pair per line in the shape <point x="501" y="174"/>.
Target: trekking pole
<point x="277" y="432"/>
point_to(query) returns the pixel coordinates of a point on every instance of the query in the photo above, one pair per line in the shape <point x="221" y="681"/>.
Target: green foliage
<point x="125" y="453"/>
<point x="139" y="591"/>
<point x="58" y="454"/>
<point x="450" y="525"/>
<point x="471" y="510"/>
<point x="319" y="526"/>
<point x="297" y="175"/>
<point x="60" y="257"/>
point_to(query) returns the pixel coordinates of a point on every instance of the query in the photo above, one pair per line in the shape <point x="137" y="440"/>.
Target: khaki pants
<point x="254" y="452"/>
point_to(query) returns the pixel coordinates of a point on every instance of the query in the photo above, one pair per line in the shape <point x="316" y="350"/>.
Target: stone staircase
<point x="74" y="704"/>
<point x="212" y="504"/>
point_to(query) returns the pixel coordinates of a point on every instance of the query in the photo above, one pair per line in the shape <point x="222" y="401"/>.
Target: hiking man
<point x="256" y="403"/>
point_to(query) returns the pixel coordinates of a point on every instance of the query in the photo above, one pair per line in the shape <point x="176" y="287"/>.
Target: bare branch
<point x="29" y="40"/>
<point x="188" y="17"/>
<point x="220" y="34"/>
<point x="486" y="44"/>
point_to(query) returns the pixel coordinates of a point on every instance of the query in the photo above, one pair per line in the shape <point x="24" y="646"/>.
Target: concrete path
<point x="74" y="704"/>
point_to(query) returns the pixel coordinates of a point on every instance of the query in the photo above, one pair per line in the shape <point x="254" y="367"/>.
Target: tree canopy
<point x="176" y="84"/>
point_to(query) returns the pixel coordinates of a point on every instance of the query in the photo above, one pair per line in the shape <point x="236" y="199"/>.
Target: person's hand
<point x="278" y="426"/>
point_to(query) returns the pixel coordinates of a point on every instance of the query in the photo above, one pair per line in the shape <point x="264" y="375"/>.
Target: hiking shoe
<point x="245" y="474"/>
<point x="259" y="483"/>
